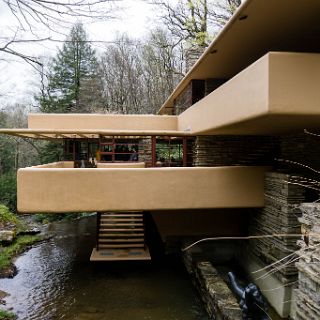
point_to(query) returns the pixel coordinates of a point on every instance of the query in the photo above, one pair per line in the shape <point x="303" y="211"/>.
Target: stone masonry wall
<point x="308" y="293"/>
<point x="184" y="100"/>
<point x="218" y="299"/>
<point x="213" y="84"/>
<point x="302" y="148"/>
<point x="279" y="216"/>
<point x="218" y="151"/>
<point x="195" y="91"/>
<point x="192" y="55"/>
<point x="145" y="151"/>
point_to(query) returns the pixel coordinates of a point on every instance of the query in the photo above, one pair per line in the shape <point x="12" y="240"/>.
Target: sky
<point x="19" y="81"/>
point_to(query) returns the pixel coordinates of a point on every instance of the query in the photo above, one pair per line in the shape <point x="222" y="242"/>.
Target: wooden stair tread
<point x="131" y="235"/>
<point x="121" y="212"/>
<point x="120" y="229"/>
<point x="138" y="245"/>
<point x="120" y="240"/>
<point x="122" y="215"/>
<point x="129" y="219"/>
<point x="124" y="218"/>
<point x="122" y="224"/>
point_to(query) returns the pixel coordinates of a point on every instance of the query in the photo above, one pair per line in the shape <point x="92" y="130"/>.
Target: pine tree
<point x="74" y="66"/>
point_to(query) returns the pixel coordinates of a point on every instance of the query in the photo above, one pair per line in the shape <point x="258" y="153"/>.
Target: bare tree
<point x="139" y="76"/>
<point x="16" y="151"/>
<point x="187" y="20"/>
<point x="162" y="68"/>
<point x="191" y="19"/>
<point x="53" y="15"/>
<point x="220" y="13"/>
<point x="121" y="68"/>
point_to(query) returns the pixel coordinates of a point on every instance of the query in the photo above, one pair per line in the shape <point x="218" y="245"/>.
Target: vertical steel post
<point x="113" y="149"/>
<point x="88" y="151"/>
<point x="153" y="151"/>
<point x="65" y="145"/>
<point x="185" y="152"/>
<point x="74" y="152"/>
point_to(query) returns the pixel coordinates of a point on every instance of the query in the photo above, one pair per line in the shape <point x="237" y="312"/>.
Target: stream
<point x="56" y="280"/>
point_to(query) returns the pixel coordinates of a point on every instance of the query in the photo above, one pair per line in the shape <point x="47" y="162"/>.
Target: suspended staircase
<point x="120" y="236"/>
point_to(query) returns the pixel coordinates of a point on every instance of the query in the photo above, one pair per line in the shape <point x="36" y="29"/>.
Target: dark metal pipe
<point x="251" y="300"/>
<point x="237" y="289"/>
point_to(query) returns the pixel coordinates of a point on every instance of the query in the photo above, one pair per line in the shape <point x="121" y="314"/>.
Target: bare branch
<point x="192" y="19"/>
<point x="53" y="15"/>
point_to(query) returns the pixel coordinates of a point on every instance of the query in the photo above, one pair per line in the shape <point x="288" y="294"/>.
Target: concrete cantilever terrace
<point x="60" y="126"/>
<point x="256" y="28"/>
<point x="276" y="94"/>
<point x="256" y="101"/>
<point x="103" y="189"/>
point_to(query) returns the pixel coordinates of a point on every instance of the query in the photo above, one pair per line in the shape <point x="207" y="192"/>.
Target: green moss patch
<point x="6" y="315"/>
<point x="18" y="246"/>
<point x="6" y="216"/>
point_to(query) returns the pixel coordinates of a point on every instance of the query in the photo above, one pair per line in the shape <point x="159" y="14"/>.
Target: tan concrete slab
<point x="130" y="189"/>
<point x="277" y="94"/>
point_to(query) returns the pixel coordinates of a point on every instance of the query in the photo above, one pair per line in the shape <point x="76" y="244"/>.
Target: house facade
<point x="227" y="155"/>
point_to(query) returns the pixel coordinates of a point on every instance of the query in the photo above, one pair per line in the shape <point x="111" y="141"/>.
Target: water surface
<point x="57" y="281"/>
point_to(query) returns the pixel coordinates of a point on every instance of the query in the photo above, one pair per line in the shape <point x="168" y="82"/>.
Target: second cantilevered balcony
<point x="135" y="174"/>
<point x="60" y="188"/>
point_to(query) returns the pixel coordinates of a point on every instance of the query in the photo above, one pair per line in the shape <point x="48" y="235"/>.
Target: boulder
<point x="31" y="230"/>
<point x="7" y="236"/>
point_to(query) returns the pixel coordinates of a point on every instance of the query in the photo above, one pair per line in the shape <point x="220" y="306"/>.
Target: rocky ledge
<point x="218" y="299"/>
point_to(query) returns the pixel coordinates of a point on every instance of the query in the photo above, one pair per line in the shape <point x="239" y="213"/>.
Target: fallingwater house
<point x="209" y="163"/>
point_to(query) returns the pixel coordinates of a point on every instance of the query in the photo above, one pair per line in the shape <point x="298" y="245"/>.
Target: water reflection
<point x="57" y="281"/>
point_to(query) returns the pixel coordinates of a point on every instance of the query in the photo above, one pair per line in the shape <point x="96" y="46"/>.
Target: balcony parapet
<point x="53" y="189"/>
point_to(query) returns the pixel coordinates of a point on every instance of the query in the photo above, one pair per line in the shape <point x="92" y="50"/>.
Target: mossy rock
<point x="7" y="236"/>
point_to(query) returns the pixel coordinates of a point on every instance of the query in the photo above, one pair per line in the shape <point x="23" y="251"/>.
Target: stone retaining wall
<point x="279" y="216"/>
<point x="218" y="299"/>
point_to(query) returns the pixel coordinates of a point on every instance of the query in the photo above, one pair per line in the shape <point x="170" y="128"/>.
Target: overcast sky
<point x="18" y="80"/>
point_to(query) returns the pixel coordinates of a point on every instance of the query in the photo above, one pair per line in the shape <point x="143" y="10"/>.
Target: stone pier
<point x="279" y="216"/>
<point x="307" y="295"/>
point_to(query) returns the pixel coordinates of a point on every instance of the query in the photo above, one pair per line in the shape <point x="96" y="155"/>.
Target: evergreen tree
<point x="69" y="72"/>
